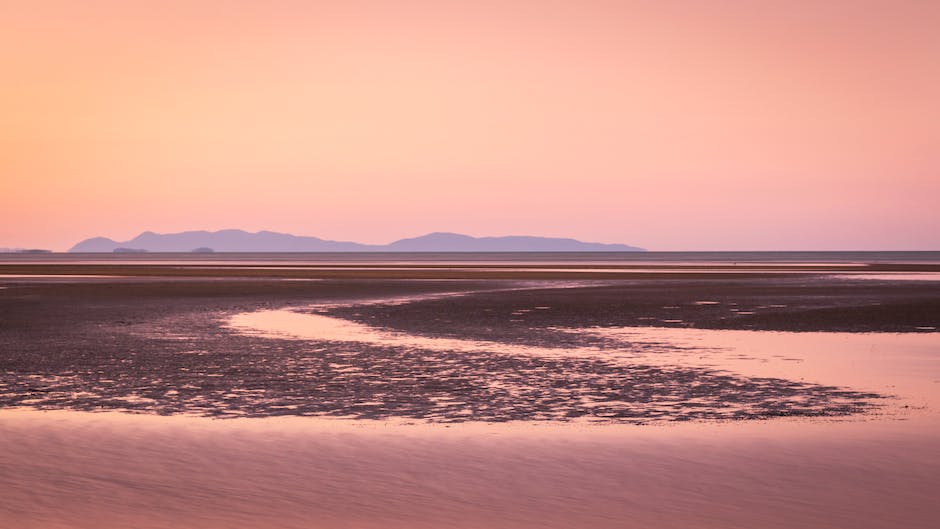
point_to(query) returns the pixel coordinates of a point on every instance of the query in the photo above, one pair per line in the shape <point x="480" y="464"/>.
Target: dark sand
<point x="156" y="345"/>
<point x="160" y="346"/>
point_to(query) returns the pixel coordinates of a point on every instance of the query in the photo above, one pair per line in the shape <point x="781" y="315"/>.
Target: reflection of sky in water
<point x="306" y="362"/>
<point x="287" y="323"/>
<point x="338" y="368"/>
<point x="892" y="276"/>
<point x="905" y="365"/>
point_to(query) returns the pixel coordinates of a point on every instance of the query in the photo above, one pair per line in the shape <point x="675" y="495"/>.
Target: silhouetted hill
<point x="219" y="241"/>
<point x="455" y="242"/>
<point x="267" y="241"/>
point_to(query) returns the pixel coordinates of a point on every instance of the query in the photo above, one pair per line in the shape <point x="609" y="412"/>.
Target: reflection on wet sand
<point x="350" y="370"/>
<point x="903" y="365"/>
<point x="527" y="424"/>
<point x="112" y="471"/>
<point x="891" y="276"/>
<point x="634" y="381"/>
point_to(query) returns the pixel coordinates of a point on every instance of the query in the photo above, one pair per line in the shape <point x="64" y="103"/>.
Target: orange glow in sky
<point x="664" y="124"/>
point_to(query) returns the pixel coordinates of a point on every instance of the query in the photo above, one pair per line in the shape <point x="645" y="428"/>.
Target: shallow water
<point x="76" y="470"/>
<point x="293" y="324"/>
<point x="874" y="361"/>
<point x="904" y="366"/>
<point x="41" y="277"/>
<point x="891" y="276"/>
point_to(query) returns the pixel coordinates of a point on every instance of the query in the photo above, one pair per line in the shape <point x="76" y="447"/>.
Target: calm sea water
<point x="485" y="257"/>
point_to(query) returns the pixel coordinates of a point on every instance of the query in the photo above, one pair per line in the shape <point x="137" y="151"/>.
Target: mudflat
<point x="463" y="396"/>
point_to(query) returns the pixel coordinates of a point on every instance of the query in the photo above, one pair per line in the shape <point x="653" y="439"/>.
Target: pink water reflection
<point x="110" y="470"/>
<point x="903" y="365"/>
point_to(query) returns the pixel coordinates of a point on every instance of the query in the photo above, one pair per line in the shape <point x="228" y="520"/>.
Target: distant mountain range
<point x="268" y="241"/>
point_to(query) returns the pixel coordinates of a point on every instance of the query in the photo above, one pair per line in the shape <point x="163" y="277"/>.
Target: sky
<point x="671" y="125"/>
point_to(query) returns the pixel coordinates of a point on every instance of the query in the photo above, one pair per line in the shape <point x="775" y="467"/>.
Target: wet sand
<point x="166" y="347"/>
<point x="76" y="471"/>
<point x="845" y="451"/>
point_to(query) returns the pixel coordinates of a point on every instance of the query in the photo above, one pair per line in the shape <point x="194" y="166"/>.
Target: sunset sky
<point x="670" y="125"/>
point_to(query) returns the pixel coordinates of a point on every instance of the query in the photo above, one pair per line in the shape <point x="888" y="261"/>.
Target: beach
<point x="469" y="396"/>
<point x="98" y="470"/>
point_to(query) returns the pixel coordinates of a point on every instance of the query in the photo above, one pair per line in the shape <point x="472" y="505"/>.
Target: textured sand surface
<point x="646" y="396"/>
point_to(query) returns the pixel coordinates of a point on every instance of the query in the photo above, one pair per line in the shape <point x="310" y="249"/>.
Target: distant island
<point x="24" y="250"/>
<point x="268" y="241"/>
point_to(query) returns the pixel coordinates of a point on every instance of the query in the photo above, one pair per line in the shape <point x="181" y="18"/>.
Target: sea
<point x="724" y="257"/>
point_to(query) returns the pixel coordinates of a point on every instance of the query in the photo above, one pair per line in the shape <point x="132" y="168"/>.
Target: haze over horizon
<point x="673" y="125"/>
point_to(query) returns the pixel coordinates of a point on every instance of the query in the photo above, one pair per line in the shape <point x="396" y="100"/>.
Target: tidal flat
<point x="785" y="395"/>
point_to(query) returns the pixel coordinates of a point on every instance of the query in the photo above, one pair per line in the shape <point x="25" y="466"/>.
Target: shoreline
<point x="497" y="270"/>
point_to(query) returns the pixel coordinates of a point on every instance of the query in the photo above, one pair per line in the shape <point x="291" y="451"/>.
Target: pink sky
<point x="671" y="125"/>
